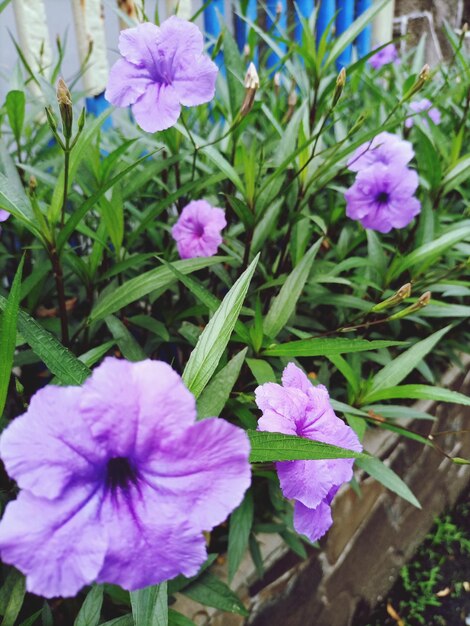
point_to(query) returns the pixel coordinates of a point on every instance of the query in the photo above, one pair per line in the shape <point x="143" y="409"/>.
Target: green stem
<point x="59" y="281"/>
<point x="66" y="180"/>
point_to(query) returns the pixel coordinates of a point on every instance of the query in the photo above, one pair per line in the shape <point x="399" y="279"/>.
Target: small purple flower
<point x="299" y="408"/>
<point x="382" y="197"/>
<point x="197" y="231"/>
<point x="384" y="148"/>
<point x="117" y="481"/>
<point x="423" y="106"/>
<point x="163" y="68"/>
<point x="387" y="55"/>
<point x="4" y="215"/>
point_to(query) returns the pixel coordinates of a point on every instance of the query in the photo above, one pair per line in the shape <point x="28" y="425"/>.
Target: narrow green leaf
<point x="60" y="361"/>
<point x="178" y="619"/>
<point x="17" y="203"/>
<point x="150" y="606"/>
<point x="142" y="285"/>
<point x="15" y="601"/>
<point x="346" y="370"/>
<point x="419" y="392"/>
<point x="241" y="522"/>
<point x="399" y="368"/>
<point x="388" y="478"/>
<point x="328" y="347"/>
<point x="124" y="620"/>
<point x="262" y="371"/>
<point x="214" y="397"/>
<point x="283" y="305"/>
<point x="95" y="354"/>
<point x="8" y="324"/>
<point x="211" y="591"/>
<point x="215" y="337"/>
<point x="16" y="104"/>
<point x="90" y="612"/>
<point x="268" y="447"/>
<point x="29" y="621"/>
<point x="126" y="342"/>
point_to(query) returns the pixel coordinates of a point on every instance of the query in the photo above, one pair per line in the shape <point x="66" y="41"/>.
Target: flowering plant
<point x="206" y="307"/>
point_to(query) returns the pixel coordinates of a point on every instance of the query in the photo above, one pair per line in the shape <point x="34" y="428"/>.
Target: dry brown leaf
<point x="443" y="592"/>
<point x="394" y="615"/>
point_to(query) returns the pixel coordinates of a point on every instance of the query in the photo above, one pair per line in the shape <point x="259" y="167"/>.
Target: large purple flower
<point x="117" y="481"/>
<point x="163" y="68"/>
<point x="386" y="55"/>
<point x="299" y="408"/>
<point x="382" y="197"/>
<point x="198" y="230"/>
<point x="384" y="148"/>
<point x="423" y="106"/>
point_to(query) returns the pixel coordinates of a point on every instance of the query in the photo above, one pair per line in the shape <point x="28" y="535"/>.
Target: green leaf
<point x="215" y="337"/>
<point x="419" y="392"/>
<point x="16" y="104"/>
<point x="347" y="371"/>
<point x="283" y="305"/>
<point x="15" y="600"/>
<point x="90" y="612"/>
<point x="150" y="606"/>
<point x="17" y="203"/>
<point x="177" y="619"/>
<point x="8" y="324"/>
<point x="241" y="522"/>
<point x="429" y="252"/>
<point x="142" y="285"/>
<point x="328" y="347"/>
<point x="268" y="447"/>
<point x="211" y="591"/>
<point x="235" y="70"/>
<point x="395" y="371"/>
<point x="262" y="371"/>
<point x="126" y="342"/>
<point x="214" y="397"/>
<point x="29" y="621"/>
<point x="124" y="620"/>
<point x="388" y="478"/>
<point x="60" y="361"/>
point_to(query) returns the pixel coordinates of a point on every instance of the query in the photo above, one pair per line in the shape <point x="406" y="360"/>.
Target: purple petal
<point x="282" y="408"/>
<point x="197" y="231"/>
<point x="43" y="455"/>
<point x="149" y="541"/>
<point x="313" y="523"/>
<point x="182" y="37"/>
<point x="158" y="108"/>
<point x="139" y="45"/>
<point x="57" y="544"/>
<point x="4" y="215"/>
<point x="293" y="376"/>
<point x="208" y="484"/>
<point x="129" y="407"/>
<point x="126" y="83"/>
<point x="195" y="82"/>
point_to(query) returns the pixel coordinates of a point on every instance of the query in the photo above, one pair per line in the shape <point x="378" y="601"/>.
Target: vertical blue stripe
<point x="344" y="19"/>
<point x="363" y="41"/>
<point x="95" y="106"/>
<point x="212" y="25"/>
<point x="304" y="9"/>
<point x="241" y="27"/>
<point x="278" y="28"/>
<point x="325" y="15"/>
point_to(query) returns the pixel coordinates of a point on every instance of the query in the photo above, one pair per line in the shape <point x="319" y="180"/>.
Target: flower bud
<point x="402" y="293"/>
<point x="422" y="301"/>
<point x="65" y="105"/>
<point x="277" y="83"/>
<point x="51" y="119"/>
<point x="340" y="83"/>
<point x="251" y="87"/>
<point x="81" y="120"/>
<point x="33" y="183"/>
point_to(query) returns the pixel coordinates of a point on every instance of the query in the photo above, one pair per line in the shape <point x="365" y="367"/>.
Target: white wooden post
<point x="89" y="27"/>
<point x="33" y="35"/>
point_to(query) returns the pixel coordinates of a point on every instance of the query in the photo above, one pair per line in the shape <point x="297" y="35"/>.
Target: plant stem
<point x="66" y="180"/>
<point x="59" y="281"/>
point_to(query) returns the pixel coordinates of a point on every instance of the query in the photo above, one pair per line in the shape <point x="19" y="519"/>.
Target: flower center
<point x="120" y="473"/>
<point x="382" y="197"/>
<point x="198" y="229"/>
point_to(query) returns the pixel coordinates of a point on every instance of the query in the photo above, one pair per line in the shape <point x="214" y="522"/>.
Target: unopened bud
<point x="425" y="73"/>
<point x="278" y="10"/>
<point x="51" y="119"/>
<point x="246" y="50"/>
<point x="465" y="27"/>
<point x="81" y="120"/>
<point x="340" y="83"/>
<point x="400" y="295"/>
<point x="251" y="87"/>
<point x="65" y="105"/>
<point x="277" y="83"/>
<point x="423" y="76"/>
<point x="33" y="183"/>
<point x="422" y="301"/>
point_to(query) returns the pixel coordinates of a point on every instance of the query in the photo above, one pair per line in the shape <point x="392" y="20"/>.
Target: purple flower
<point x="197" y="231"/>
<point x="118" y="481"/>
<point x="384" y="148"/>
<point x="386" y="55"/>
<point x="423" y="106"/>
<point x="163" y="68"/>
<point x="4" y="215"/>
<point x="299" y="408"/>
<point x="382" y="197"/>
